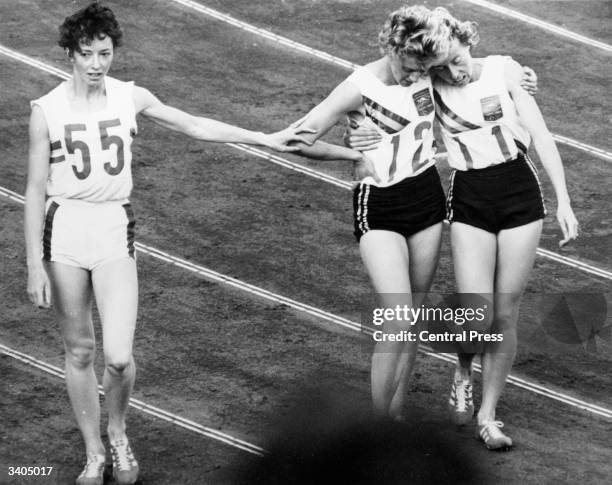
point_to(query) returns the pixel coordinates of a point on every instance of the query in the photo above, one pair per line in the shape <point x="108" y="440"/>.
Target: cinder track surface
<point x="227" y="359"/>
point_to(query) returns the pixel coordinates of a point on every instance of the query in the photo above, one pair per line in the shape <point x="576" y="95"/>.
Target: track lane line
<point x="279" y="39"/>
<point x="143" y="407"/>
<point x="304" y="169"/>
<point x="598" y="152"/>
<point x="301" y="168"/>
<point x="541" y="24"/>
<point x="220" y="16"/>
<point x="344" y="322"/>
<point x="573" y="263"/>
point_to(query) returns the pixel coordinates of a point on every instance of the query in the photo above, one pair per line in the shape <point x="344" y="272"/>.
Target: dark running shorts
<point x="496" y="198"/>
<point x="407" y="207"/>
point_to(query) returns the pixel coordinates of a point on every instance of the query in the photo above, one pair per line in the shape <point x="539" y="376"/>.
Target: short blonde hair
<point x="417" y="31"/>
<point x="466" y="32"/>
<point x="414" y="31"/>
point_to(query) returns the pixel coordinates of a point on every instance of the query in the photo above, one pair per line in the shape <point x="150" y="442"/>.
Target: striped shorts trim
<point x="49" y="231"/>
<point x="362" y="208"/>
<point x="534" y="170"/>
<point x="407" y="207"/>
<point x="496" y="198"/>
<point x="88" y="235"/>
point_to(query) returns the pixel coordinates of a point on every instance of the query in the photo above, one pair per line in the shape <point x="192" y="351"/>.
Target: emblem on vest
<point x="423" y="102"/>
<point x="491" y="108"/>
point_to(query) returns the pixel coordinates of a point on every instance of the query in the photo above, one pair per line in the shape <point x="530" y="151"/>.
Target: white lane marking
<point x="583" y="146"/>
<point x="241" y="285"/>
<point x="347" y="185"/>
<point x="346" y="64"/>
<point x="266" y="34"/>
<point x="292" y="165"/>
<point x="598" y="152"/>
<point x="545" y="253"/>
<point x="308" y="171"/>
<point x="543" y="25"/>
<point x="343" y="322"/>
<point x="144" y="407"/>
<point x="574" y="263"/>
<point x="33" y="62"/>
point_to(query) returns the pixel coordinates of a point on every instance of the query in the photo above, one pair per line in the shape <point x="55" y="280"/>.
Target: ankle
<point x="483" y="418"/>
<point x="463" y="373"/>
<point x="95" y="451"/>
<point x="116" y="433"/>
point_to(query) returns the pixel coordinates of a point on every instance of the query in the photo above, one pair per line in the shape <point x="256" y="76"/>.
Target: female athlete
<point x="79" y="224"/>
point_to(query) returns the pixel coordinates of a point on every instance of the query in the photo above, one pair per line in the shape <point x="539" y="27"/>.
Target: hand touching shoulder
<point x="513" y="74"/>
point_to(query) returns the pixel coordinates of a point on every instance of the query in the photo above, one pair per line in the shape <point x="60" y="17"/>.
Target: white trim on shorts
<point x="449" y="197"/>
<point x="534" y="170"/>
<point x="362" y="207"/>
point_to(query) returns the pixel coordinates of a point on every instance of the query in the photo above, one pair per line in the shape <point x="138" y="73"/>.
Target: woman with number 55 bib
<point x="79" y="224"/>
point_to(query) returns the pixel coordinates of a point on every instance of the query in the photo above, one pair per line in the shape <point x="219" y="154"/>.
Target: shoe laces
<point x="122" y="455"/>
<point x="494" y="428"/>
<point x="463" y="395"/>
<point x="94" y="466"/>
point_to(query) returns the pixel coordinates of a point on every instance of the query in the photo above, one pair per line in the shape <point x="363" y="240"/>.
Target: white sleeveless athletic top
<point x="404" y="117"/>
<point x="480" y="124"/>
<point x="91" y="156"/>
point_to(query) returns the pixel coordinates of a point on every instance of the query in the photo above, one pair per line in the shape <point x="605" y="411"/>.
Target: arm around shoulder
<point x="345" y="98"/>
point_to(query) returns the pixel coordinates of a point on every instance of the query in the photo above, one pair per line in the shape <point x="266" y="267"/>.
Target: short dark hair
<point x="93" y="21"/>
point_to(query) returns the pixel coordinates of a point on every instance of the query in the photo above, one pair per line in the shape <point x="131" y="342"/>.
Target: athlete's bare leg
<point x="424" y="251"/>
<point x="72" y="301"/>
<point x="387" y="260"/>
<point x="516" y="251"/>
<point x="474" y="254"/>
<point x="116" y="290"/>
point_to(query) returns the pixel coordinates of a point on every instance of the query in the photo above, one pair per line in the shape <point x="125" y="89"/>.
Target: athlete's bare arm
<point x="344" y="99"/>
<point x="39" y="290"/>
<point x="207" y="129"/>
<point x="341" y="101"/>
<point x="544" y="144"/>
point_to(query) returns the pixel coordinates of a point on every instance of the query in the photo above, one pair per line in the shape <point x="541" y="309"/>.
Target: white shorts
<point x="88" y="234"/>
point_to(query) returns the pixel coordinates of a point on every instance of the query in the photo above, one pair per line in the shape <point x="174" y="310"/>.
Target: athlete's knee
<point x="118" y="365"/>
<point x="80" y="353"/>
<point x="506" y="316"/>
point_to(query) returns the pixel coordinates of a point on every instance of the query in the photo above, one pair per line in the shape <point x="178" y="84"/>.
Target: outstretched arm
<point x="545" y="146"/>
<point x="207" y="129"/>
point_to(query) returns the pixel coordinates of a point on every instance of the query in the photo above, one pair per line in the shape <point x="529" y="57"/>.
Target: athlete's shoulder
<point x="369" y="77"/>
<point x="503" y="62"/>
<point x="59" y="90"/>
<point x="361" y="75"/>
<point x="115" y="84"/>
<point x="512" y="71"/>
<point x="57" y="93"/>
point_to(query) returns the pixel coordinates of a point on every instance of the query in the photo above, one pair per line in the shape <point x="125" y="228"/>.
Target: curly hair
<point x="410" y="30"/>
<point x="465" y="32"/>
<point x="93" y="21"/>
<point x="423" y="33"/>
